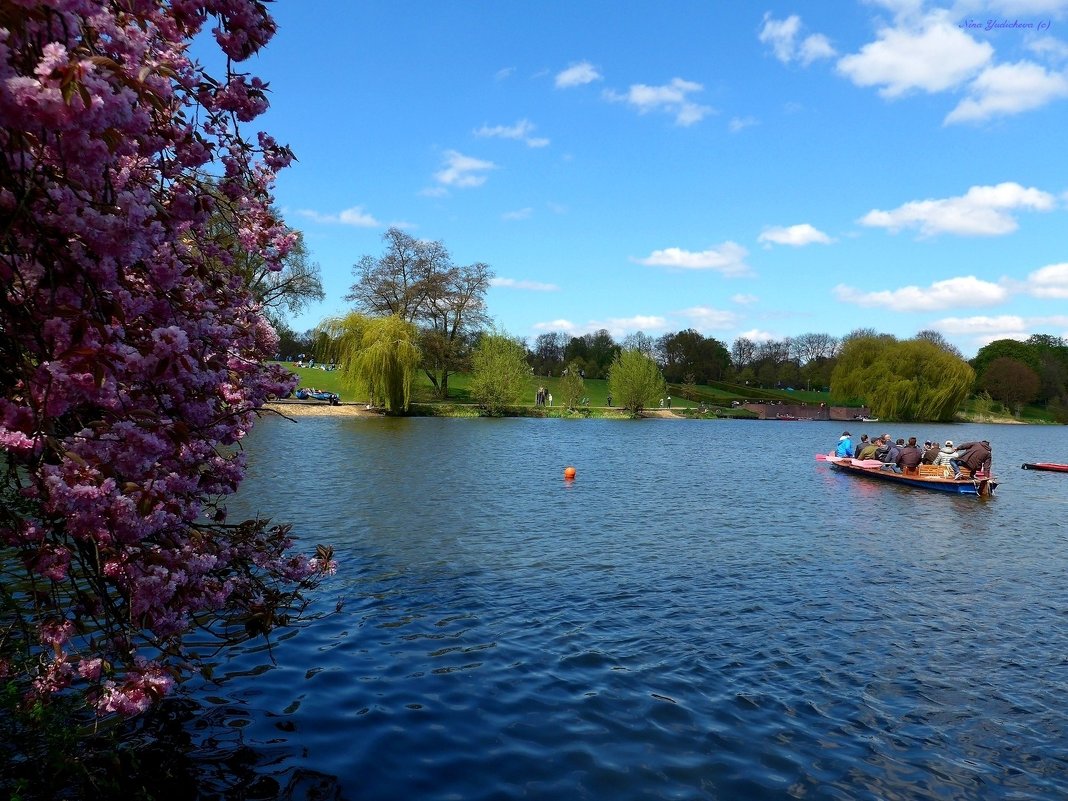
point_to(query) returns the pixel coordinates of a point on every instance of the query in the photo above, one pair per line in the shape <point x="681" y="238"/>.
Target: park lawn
<point x="596" y="389"/>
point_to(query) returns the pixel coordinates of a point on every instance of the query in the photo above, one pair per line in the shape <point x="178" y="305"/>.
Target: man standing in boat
<point x="976" y="456"/>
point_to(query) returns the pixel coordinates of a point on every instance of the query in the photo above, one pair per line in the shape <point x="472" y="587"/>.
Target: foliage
<point x="1010" y="381"/>
<point x="499" y="372"/>
<point x="689" y="353"/>
<point x="635" y="381"/>
<point x="377" y="356"/>
<point x="417" y="281"/>
<point x="131" y="350"/>
<point x="912" y="380"/>
<point x="572" y="386"/>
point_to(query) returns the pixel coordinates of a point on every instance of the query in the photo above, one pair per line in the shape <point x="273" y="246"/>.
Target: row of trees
<point x="416" y="282"/>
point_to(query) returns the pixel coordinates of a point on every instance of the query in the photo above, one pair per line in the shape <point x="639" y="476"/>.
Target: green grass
<point x="718" y="394"/>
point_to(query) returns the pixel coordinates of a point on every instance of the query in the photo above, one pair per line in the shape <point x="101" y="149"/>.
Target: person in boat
<point x="930" y="452"/>
<point x="945" y="454"/>
<point x="844" y="449"/>
<point x="888" y="452"/>
<point x="860" y="446"/>
<point x="910" y="456"/>
<point x="976" y="456"/>
<point x="869" y="449"/>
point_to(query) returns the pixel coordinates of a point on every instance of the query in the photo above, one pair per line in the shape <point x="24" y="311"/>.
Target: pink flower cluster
<point x="133" y="350"/>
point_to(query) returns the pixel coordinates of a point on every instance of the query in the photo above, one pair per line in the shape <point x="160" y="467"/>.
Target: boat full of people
<point x="963" y="469"/>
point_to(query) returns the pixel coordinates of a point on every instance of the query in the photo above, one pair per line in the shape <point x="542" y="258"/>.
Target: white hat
<point x="949" y="443"/>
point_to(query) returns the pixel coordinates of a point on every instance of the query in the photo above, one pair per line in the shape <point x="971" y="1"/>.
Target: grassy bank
<point x="716" y="397"/>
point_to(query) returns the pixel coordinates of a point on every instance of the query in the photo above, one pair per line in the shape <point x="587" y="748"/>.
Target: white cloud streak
<point x="672" y="98"/>
<point x="521" y="131"/>
<point x="963" y="292"/>
<point x="981" y="211"/>
<point x="794" y="235"/>
<point x="531" y="286"/>
<point x="354" y="216"/>
<point x="933" y="55"/>
<point x="578" y="74"/>
<point x="783" y="37"/>
<point x="463" y="171"/>
<point x="728" y="259"/>
<point x="1009" y="89"/>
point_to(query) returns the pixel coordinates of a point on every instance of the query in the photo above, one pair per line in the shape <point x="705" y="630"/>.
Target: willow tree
<point x="913" y="380"/>
<point x="377" y="356"/>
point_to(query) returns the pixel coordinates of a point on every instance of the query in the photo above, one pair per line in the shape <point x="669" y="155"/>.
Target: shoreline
<point x="295" y="408"/>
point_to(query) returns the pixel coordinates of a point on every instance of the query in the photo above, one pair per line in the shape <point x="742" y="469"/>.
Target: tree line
<point x="444" y="304"/>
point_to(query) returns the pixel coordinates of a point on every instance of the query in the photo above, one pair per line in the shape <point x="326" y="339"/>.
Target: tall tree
<point x="641" y="342"/>
<point x="572" y="386"/>
<point x="131" y="349"/>
<point x="417" y="281"/>
<point x="549" y="353"/>
<point x="913" y="380"/>
<point x="937" y="339"/>
<point x="635" y="381"/>
<point x="499" y="371"/>
<point x="1010" y="381"/>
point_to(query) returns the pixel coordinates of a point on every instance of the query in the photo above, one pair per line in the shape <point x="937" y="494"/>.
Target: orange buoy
<point x="569" y="473"/>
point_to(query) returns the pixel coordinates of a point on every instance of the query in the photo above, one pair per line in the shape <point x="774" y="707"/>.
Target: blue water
<point x="706" y="612"/>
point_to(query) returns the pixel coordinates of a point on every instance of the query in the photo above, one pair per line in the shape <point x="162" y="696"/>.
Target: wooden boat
<point x="786" y="417"/>
<point x="1059" y="468"/>
<point x="926" y="476"/>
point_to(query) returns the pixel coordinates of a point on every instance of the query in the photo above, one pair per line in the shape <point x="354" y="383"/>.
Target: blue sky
<point x="759" y="170"/>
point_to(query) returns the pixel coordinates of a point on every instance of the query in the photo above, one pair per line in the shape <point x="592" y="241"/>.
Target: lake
<point x="705" y="612"/>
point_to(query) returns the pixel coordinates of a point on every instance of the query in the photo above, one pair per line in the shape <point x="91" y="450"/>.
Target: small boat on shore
<point x="926" y="476"/>
<point x="1053" y="466"/>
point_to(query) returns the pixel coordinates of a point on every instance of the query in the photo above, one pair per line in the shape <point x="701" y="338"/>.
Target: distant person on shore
<point x="844" y="448"/>
<point x="976" y="456"/>
<point x="550" y="399"/>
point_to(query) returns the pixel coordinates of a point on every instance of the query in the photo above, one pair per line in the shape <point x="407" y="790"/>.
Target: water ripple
<point x="689" y="619"/>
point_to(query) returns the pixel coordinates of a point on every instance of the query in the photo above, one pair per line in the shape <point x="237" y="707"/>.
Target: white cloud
<point x="756" y="335"/>
<point x="463" y="171"/>
<point x="1049" y="282"/>
<point x="728" y="258"/>
<point x="672" y="98"/>
<point x="518" y="214"/>
<point x="1051" y="49"/>
<point x="521" y="130"/>
<point x="933" y="55"/>
<point x="1009" y="89"/>
<point x="354" y="216"/>
<point x="707" y="318"/>
<point x="982" y="211"/>
<point x="795" y="235"/>
<point x="504" y="74"/>
<point x="532" y="286"/>
<point x="950" y="293"/>
<point x="782" y="36"/>
<point x="741" y="123"/>
<point x="744" y="300"/>
<point x="565" y="326"/>
<point x="618" y="327"/>
<point x="984" y="330"/>
<point x="577" y="75"/>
